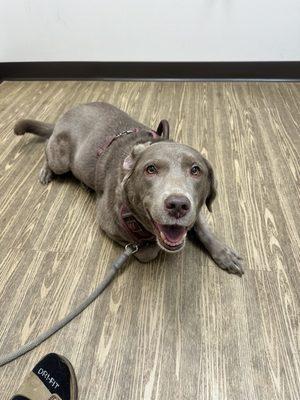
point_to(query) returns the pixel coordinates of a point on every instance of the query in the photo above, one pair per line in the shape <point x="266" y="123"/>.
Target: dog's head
<point x="166" y="184"/>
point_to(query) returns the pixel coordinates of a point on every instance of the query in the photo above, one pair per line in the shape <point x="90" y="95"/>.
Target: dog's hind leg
<point x="58" y="156"/>
<point x="46" y="174"/>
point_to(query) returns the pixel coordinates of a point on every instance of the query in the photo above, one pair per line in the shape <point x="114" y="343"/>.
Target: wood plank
<point x="176" y="328"/>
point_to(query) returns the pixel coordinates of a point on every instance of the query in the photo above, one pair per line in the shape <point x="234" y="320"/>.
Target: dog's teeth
<point x="163" y="236"/>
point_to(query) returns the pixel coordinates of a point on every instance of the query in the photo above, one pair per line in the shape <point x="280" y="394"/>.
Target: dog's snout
<point x="177" y="205"/>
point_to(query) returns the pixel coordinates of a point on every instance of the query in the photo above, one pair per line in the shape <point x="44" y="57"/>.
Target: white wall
<point x="149" y="30"/>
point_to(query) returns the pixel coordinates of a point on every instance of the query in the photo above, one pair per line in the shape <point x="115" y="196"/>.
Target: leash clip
<point x="131" y="248"/>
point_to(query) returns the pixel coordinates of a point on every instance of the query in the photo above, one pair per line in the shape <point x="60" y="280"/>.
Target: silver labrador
<point x="161" y="183"/>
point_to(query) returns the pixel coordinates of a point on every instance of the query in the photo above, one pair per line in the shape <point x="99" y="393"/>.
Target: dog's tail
<point x="39" y="128"/>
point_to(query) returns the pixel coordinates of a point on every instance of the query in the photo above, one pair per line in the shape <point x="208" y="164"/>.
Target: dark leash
<point x="117" y="264"/>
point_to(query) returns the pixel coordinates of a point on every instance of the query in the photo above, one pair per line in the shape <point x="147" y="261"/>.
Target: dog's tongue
<point x="173" y="233"/>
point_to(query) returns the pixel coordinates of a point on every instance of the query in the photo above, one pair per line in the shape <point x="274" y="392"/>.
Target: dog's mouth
<point x="170" y="237"/>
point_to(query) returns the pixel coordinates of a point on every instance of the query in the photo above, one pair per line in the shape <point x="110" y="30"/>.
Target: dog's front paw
<point x="228" y="259"/>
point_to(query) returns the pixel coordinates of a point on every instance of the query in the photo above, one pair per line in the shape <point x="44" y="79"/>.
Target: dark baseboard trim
<point x="269" y="70"/>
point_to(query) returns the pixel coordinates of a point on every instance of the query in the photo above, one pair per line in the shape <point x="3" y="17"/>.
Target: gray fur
<point x="120" y="175"/>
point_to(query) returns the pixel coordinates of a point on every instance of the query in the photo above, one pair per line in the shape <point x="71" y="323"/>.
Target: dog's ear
<point x="137" y="150"/>
<point x="212" y="187"/>
<point x="163" y="129"/>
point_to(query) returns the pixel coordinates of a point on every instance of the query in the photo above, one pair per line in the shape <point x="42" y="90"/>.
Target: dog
<point x="149" y="189"/>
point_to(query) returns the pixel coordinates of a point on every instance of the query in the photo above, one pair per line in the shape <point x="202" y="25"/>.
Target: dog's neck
<point x="132" y="226"/>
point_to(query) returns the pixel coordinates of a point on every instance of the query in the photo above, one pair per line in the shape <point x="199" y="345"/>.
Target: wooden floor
<point x="178" y="328"/>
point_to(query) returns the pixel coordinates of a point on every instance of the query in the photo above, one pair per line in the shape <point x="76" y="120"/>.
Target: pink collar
<point x="133" y="227"/>
<point x="108" y="140"/>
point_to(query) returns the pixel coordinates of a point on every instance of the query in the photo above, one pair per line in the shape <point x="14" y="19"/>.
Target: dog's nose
<point x="177" y="205"/>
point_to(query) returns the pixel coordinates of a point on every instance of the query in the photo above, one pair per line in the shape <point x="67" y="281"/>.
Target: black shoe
<point x="53" y="378"/>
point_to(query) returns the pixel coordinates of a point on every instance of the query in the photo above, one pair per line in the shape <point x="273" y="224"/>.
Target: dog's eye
<point x="195" y="170"/>
<point x="151" y="169"/>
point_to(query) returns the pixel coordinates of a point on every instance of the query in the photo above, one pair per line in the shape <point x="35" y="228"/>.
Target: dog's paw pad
<point x="45" y="176"/>
<point x="229" y="260"/>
